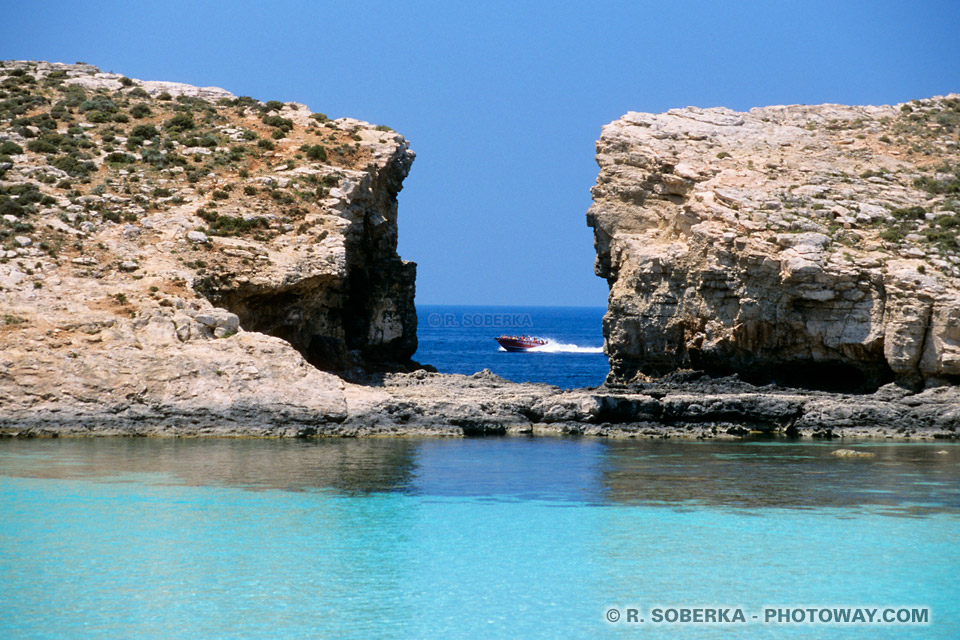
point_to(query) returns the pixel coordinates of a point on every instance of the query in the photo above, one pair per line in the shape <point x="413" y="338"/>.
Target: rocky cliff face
<point x="156" y="239"/>
<point x="808" y="245"/>
<point x="175" y="260"/>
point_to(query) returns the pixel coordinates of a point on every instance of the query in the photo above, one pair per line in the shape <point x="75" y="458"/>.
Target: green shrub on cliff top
<point x="315" y="152"/>
<point x="10" y="148"/>
<point x="140" y="110"/>
<point x="74" y="167"/>
<point x="73" y="95"/>
<point x="118" y="158"/>
<point x="284" y="124"/>
<point x="98" y="117"/>
<point x="950" y="184"/>
<point x="42" y="146"/>
<point x="909" y="213"/>
<point x="945" y="238"/>
<point x="230" y="225"/>
<point x="99" y="103"/>
<point x="9" y="206"/>
<point x="179" y="123"/>
<point x="145" y="131"/>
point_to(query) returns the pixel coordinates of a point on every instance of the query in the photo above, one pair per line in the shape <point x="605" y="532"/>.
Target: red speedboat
<point x="520" y="343"/>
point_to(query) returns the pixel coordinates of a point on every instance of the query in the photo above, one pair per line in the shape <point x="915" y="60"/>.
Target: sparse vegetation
<point x="118" y="158"/>
<point x="140" y="110"/>
<point x="7" y="148"/>
<point x="220" y="225"/>
<point x="282" y="124"/>
<point x="179" y="123"/>
<point x="909" y="213"/>
<point x="945" y="181"/>
<point x="315" y="152"/>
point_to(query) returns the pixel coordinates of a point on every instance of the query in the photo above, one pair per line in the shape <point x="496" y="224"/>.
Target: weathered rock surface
<point x="131" y="203"/>
<point x="179" y="261"/>
<point x="145" y="286"/>
<point x="809" y="245"/>
<point x="286" y="400"/>
<point x="250" y="384"/>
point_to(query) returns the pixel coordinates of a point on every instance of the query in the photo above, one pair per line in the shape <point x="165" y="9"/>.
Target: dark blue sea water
<point x="460" y="339"/>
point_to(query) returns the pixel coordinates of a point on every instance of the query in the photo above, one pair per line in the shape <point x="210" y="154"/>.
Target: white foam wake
<point x="553" y="346"/>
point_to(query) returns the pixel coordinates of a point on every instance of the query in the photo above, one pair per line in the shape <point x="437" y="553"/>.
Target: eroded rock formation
<point x="814" y="246"/>
<point x="176" y="261"/>
<point x="157" y="239"/>
<point x="346" y="298"/>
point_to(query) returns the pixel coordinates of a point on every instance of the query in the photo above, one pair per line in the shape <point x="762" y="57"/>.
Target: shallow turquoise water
<point x="494" y="538"/>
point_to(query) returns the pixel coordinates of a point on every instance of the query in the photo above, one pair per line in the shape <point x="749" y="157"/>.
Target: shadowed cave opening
<point x="329" y="325"/>
<point x="833" y="376"/>
<point x="305" y="317"/>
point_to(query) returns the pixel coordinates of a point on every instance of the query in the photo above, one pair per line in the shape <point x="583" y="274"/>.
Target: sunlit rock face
<point x="807" y="245"/>
<point x="182" y="255"/>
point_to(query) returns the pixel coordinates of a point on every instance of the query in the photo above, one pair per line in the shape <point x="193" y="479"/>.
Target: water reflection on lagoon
<point x="905" y="478"/>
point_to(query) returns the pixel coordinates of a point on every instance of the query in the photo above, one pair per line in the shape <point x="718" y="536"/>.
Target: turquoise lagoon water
<point x="492" y="538"/>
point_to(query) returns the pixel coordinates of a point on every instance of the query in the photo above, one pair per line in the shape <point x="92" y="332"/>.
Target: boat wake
<point x="553" y="346"/>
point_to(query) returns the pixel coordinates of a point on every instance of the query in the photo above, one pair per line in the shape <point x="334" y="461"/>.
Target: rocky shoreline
<point x="179" y="261"/>
<point x="424" y="403"/>
<point x="699" y="407"/>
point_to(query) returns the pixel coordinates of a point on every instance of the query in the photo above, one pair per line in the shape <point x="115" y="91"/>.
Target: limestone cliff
<point x="807" y="245"/>
<point x="156" y="240"/>
<point x="175" y="260"/>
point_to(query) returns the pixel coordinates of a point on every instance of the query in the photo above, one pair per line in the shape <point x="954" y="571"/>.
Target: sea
<point x="495" y="537"/>
<point x="461" y="339"/>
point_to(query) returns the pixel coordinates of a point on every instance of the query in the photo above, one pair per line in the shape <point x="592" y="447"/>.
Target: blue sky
<point x="503" y="101"/>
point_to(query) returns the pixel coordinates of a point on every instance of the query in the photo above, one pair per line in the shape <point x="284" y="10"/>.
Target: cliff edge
<point x="176" y="260"/>
<point x="814" y="246"/>
<point x="168" y="249"/>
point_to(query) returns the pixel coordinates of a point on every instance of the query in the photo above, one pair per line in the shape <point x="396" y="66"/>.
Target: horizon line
<point x="544" y="306"/>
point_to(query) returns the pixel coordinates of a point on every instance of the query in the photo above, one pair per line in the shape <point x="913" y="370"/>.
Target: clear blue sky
<point x="502" y="101"/>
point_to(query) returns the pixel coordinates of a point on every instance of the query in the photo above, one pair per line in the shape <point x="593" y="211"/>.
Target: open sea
<point x="497" y="537"/>
<point x="460" y="339"/>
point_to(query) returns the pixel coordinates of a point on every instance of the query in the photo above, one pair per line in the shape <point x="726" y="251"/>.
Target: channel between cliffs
<point x="180" y="261"/>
